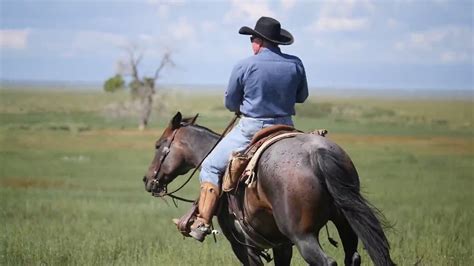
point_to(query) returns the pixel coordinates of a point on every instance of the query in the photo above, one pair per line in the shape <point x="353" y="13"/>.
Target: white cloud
<point x="145" y="38"/>
<point x="449" y="44"/>
<point x="182" y="30"/>
<point x="236" y="52"/>
<point x="87" y="40"/>
<point x="152" y="46"/>
<point x="438" y="37"/>
<point x="342" y="15"/>
<point x="288" y="4"/>
<point x="244" y="10"/>
<point x="164" y="7"/>
<point x="393" y="23"/>
<point x="167" y="2"/>
<point x="208" y="26"/>
<point x="339" y="24"/>
<point x="96" y="42"/>
<point x="345" y="8"/>
<point x="348" y="46"/>
<point x="163" y="11"/>
<point x="14" y="39"/>
<point x="453" y="57"/>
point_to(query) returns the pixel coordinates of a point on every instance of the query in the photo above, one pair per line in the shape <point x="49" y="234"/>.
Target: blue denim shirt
<point x="266" y="85"/>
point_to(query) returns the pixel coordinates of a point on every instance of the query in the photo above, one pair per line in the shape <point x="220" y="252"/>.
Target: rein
<point x="170" y="194"/>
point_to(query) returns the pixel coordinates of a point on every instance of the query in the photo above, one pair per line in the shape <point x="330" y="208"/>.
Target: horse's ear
<point x="176" y="121"/>
<point x="194" y="119"/>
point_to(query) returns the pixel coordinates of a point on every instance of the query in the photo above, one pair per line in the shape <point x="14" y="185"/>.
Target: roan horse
<point x="302" y="183"/>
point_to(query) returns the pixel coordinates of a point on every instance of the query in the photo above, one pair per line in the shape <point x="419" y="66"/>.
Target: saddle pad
<point x="266" y="132"/>
<point x="249" y="172"/>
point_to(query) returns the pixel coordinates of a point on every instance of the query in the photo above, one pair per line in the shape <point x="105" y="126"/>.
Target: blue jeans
<point x="237" y="140"/>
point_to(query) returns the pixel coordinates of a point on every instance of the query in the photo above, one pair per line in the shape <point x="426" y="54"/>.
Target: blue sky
<point x="394" y="44"/>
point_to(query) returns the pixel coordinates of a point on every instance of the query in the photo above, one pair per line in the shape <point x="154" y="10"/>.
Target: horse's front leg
<point x="246" y="255"/>
<point x="282" y="254"/>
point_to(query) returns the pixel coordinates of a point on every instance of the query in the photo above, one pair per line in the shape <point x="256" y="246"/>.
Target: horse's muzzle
<point x="154" y="187"/>
<point x="148" y="184"/>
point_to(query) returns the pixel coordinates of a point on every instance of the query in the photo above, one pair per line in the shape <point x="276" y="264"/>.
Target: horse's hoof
<point x="356" y="259"/>
<point x="331" y="262"/>
<point x="198" y="235"/>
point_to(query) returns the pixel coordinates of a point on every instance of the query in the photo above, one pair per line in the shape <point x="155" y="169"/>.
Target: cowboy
<point x="263" y="88"/>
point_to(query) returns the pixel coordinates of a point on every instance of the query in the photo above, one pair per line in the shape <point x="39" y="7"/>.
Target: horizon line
<point x="211" y="86"/>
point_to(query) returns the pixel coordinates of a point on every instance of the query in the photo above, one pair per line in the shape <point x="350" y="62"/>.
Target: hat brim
<point x="285" y="37"/>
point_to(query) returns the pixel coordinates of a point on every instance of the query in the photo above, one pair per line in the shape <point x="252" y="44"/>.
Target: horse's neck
<point x="200" y="143"/>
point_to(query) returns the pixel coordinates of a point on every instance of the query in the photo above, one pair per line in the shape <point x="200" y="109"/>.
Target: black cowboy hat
<point x="270" y="30"/>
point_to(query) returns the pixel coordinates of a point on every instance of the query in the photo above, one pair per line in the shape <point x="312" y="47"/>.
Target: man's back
<point x="267" y="84"/>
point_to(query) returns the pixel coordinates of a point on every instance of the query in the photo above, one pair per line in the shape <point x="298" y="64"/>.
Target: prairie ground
<point x="71" y="164"/>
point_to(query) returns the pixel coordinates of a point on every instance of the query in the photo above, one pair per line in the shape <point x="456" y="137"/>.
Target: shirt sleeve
<point x="235" y="90"/>
<point x="302" y="92"/>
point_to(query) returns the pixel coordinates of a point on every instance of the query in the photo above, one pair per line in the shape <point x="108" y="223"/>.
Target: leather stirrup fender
<point x="185" y="222"/>
<point x="208" y="199"/>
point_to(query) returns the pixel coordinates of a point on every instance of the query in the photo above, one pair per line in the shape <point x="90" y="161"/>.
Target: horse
<point x="302" y="183"/>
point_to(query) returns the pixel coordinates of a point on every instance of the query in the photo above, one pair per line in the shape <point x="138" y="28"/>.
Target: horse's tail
<point x="342" y="181"/>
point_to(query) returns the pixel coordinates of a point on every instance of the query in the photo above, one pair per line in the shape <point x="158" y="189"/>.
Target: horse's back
<point x="313" y="142"/>
<point x="298" y="153"/>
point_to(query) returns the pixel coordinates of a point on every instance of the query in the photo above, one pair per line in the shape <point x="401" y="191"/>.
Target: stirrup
<point x="184" y="223"/>
<point x="199" y="233"/>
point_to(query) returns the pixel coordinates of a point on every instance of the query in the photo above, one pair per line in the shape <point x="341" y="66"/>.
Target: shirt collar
<point x="269" y="50"/>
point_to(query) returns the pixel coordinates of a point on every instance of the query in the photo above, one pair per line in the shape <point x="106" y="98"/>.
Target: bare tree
<point x="142" y="88"/>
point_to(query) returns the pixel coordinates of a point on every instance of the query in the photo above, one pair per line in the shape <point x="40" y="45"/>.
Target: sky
<point x="383" y="44"/>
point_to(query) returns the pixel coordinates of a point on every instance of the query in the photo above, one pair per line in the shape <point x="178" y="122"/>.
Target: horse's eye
<point x="159" y="144"/>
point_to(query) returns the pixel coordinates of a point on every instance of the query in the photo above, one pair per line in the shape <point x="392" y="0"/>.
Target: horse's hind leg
<point x="310" y="249"/>
<point x="349" y="241"/>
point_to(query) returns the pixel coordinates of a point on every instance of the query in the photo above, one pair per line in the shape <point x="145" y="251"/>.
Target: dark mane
<point x="189" y="122"/>
<point x="201" y="128"/>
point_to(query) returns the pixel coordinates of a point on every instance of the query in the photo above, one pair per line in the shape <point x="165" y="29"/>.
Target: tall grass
<point x="71" y="191"/>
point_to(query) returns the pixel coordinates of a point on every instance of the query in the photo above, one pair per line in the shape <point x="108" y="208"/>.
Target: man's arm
<point x="235" y="90"/>
<point x="302" y="92"/>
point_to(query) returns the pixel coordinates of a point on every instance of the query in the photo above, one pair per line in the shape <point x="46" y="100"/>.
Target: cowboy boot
<point x="208" y="200"/>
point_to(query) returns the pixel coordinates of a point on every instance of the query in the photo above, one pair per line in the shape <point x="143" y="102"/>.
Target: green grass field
<point x="71" y="190"/>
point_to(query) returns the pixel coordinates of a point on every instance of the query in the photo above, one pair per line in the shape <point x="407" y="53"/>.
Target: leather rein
<point x="166" y="151"/>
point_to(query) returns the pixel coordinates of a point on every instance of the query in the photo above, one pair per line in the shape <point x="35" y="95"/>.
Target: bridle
<point x="155" y="181"/>
<point x="166" y="151"/>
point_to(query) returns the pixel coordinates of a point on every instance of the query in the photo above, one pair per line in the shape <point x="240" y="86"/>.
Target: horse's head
<point x="170" y="157"/>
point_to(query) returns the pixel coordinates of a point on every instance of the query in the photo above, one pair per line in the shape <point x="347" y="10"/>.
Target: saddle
<point x="264" y="133"/>
<point x="241" y="165"/>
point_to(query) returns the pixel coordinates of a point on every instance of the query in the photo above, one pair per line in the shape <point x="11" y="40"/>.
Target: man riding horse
<point x="264" y="89"/>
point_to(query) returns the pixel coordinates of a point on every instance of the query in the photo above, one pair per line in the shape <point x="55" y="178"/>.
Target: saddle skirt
<point x="242" y="166"/>
<point x="263" y="134"/>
